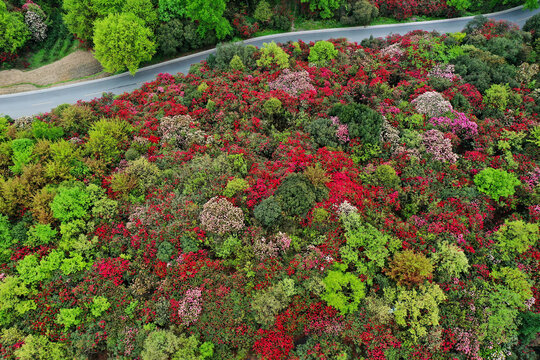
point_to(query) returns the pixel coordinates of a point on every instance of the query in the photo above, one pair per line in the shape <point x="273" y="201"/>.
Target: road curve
<point x="33" y="102"/>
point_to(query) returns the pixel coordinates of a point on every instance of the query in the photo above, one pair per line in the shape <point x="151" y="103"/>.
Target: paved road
<point x="33" y="102"/>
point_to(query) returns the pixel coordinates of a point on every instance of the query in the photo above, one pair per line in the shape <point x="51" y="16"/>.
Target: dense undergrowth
<point x="314" y="201"/>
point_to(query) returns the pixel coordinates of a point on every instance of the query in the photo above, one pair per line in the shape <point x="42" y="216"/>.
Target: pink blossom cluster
<point x="190" y="306"/>
<point x="393" y="51"/>
<point x="533" y="178"/>
<point x="432" y="104"/>
<point x="264" y="248"/>
<point x="467" y="343"/>
<point x="459" y="124"/>
<point x="443" y="71"/>
<point x="293" y="83"/>
<point x="220" y="216"/>
<point x="346" y="208"/>
<point x="439" y="146"/>
<point x="342" y="130"/>
<point x="283" y="240"/>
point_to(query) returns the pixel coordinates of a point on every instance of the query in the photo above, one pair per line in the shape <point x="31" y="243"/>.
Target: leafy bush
<point x="235" y="186"/>
<point x="451" y="260"/>
<point x="410" y="268"/>
<point x="326" y="7"/>
<point x="226" y="52"/>
<point x="362" y="121"/>
<point x="71" y="202"/>
<point x="496" y="183"/>
<point x="497" y="96"/>
<point x="263" y="12"/>
<point x="272" y="56"/>
<point x="515" y="237"/>
<point x="419" y="309"/>
<point x="321" y="53"/>
<point x="343" y="290"/>
<point x="323" y="132"/>
<point x="268" y="213"/>
<point x="14" y="31"/>
<point x="22" y="154"/>
<point x="40" y="234"/>
<point x="268" y="303"/>
<point x="106" y="138"/>
<point x="39" y="347"/>
<point x="42" y="130"/>
<point x="360" y="13"/>
<point x="296" y="195"/>
<point x="387" y="176"/>
<point x="69" y="317"/>
<point x="100" y="304"/>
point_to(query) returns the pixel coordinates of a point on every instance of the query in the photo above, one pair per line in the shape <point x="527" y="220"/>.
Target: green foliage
<point x="42" y="130"/>
<point x="268" y="212"/>
<point x="410" y="268"/>
<point x="326" y="7"/>
<point x="225" y="53"/>
<point x="360" y="13"/>
<point x="362" y="121"/>
<point x="266" y="304"/>
<point x="143" y="9"/>
<point x="79" y="17"/>
<point x="38" y="347"/>
<point x="106" y="137"/>
<point x="321" y="53"/>
<point x="515" y="237"/>
<point x="530" y="326"/>
<point x="273" y="56"/>
<point x="6" y="240"/>
<point x="71" y="202"/>
<point x="14" y="31"/>
<point x="515" y="280"/>
<point x="533" y="25"/>
<point x="417" y="310"/>
<point x="12" y="291"/>
<point x="170" y="37"/>
<point x="22" y="154"/>
<point x="228" y="247"/>
<point x="296" y="195"/>
<point x="100" y="304"/>
<point x="236" y="64"/>
<point x="272" y="107"/>
<point x="40" y="234"/>
<point x="263" y="12"/>
<point x="122" y="41"/>
<point x="375" y="245"/>
<point x="451" y="260"/>
<point x="209" y="15"/>
<point x="169" y="9"/>
<point x="165" y="345"/>
<point x="235" y="186"/>
<point x="69" y="317"/>
<point x="73" y="264"/>
<point x="386" y="175"/>
<point x="496" y="183"/>
<point x="459" y="4"/>
<point x="165" y="251"/>
<point x="343" y="290"/>
<point x="323" y="132"/>
<point x="497" y="96"/>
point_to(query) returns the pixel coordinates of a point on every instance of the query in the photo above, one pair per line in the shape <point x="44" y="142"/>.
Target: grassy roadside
<point x="60" y="49"/>
<point x="55" y="83"/>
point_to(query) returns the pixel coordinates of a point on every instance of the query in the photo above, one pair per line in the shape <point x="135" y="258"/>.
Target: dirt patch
<point x="74" y="66"/>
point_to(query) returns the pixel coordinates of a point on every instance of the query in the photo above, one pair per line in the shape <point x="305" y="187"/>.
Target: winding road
<point x="33" y="102"/>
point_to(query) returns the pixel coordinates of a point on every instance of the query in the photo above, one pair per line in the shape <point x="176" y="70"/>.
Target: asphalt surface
<point x="34" y="102"/>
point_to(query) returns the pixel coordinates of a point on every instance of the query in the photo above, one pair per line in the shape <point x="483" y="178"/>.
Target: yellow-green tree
<point x="122" y="41"/>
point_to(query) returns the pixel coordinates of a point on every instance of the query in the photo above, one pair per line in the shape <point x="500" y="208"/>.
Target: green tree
<point x="13" y="30"/>
<point x="343" y="290"/>
<point x="143" y="9"/>
<point x="209" y="14"/>
<point x="122" y="41"/>
<point x="79" y="17"/>
<point x="326" y="7"/>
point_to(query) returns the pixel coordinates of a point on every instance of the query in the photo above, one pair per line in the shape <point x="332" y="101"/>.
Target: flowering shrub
<point x="220" y="216"/>
<point x="293" y="83"/>
<point x="36" y="25"/>
<point x="459" y="124"/>
<point x="431" y="104"/>
<point x="438" y="146"/>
